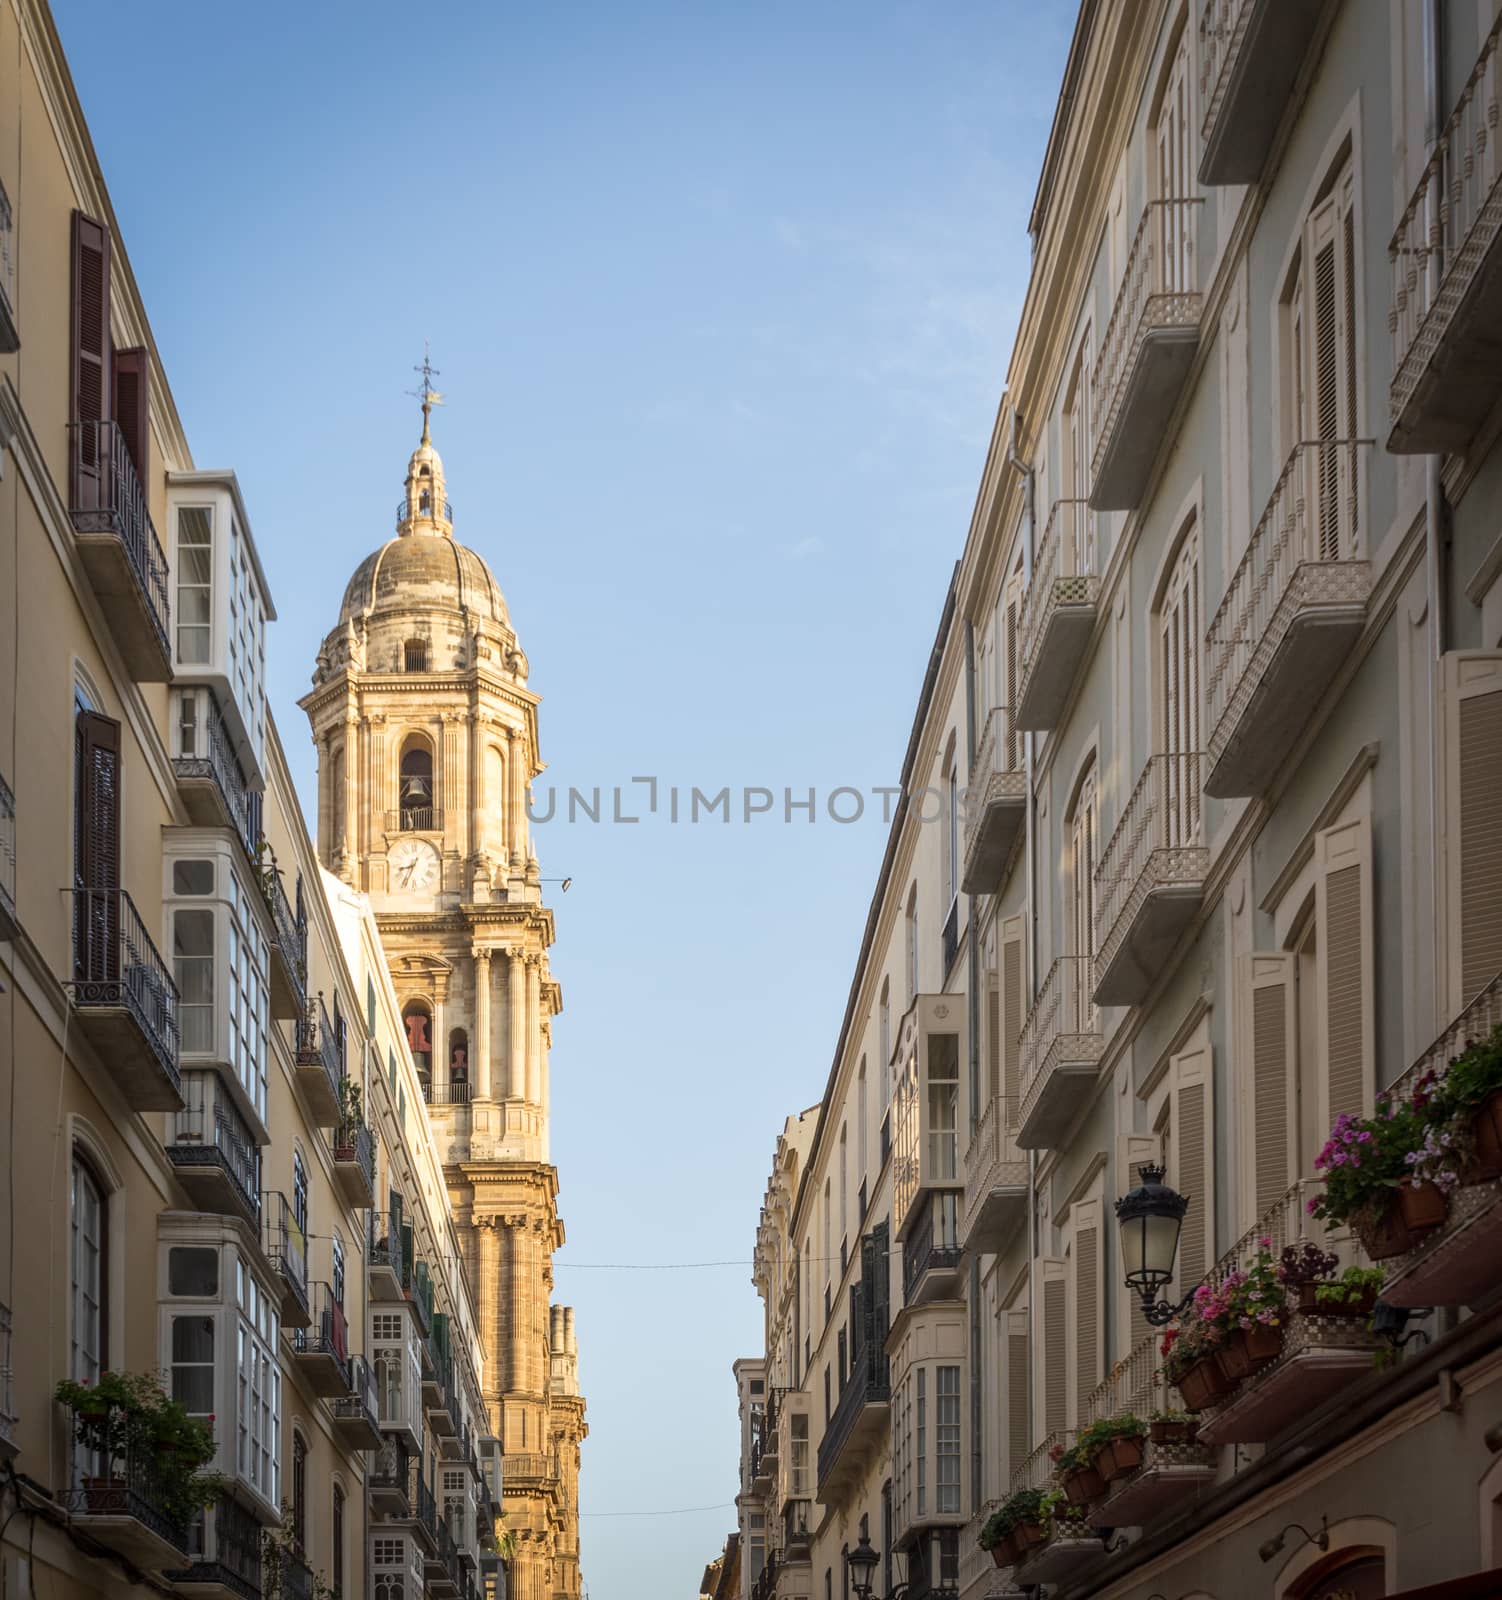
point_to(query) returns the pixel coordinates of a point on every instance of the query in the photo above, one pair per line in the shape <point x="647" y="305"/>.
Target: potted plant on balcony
<point x="1028" y="1511"/>
<point x="1079" y="1478"/>
<point x="1172" y="1427"/>
<point x="1385" y="1178"/>
<point x="1353" y="1294"/>
<point x="1467" y="1097"/>
<point x="1121" y="1445"/>
<point x="1249" y="1306"/>
<point x="1302" y="1268"/>
<point x="1189" y="1350"/>
<point x="996" y="1535"/>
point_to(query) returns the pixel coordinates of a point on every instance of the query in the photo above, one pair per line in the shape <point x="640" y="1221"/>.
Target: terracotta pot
<point x="1028" y="1536"/>
<point x="1204" y="1384"/>
<point x="1415" y="1211"/>
<point x="1119" y="1457"/>
<point x="1172" y="1432"/>
<point x="1486" y="1129"/>
<point x="1083" y="1485"/>
<point x="1263" y="1343"/>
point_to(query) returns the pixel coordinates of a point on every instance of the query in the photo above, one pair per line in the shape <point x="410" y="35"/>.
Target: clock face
<point x="414" y="866"/>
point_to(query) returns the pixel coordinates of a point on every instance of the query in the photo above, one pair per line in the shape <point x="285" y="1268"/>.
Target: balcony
<point x="1146" y="354"/>
<point x="227" y="1566"/>
<point x="214" y="1152"/>
<point x="287" y="1251"/>
<point x="995" y="1182"/>
<point x="1459" y="1264"/>
<point x="209" y="780"/>
<point x="455" y="1092"/>
<point x="424" y="1511"/>
<point x="931" y="1248"/>
<point x="797" y="1529"/>
<point x="415" y="819"/>
<point x="443" y="1564"/>
<point x="1058" y="615"/>
<point x="949" y="937"/>
<point x="1059" y="1052"/>
<point x="1250" y="55"/>
<point x="320" y="1351"/>
<point x="119" y="1500"/>
<point x="438" y="1395"/>
<point x="354" y="1163"/>
<point x="389" y="1479"/>
<point x="1291" y="612"/>
<point x="386" y="1258"/>
<point x="356" y="1413"/>
<point x="319" y="1070"/>
<point x="125" y="1000"/>
<point x="9" y="924"/>
<point x="119" y="547"/>
<point x="1151" y="878"/>
<point x="997" y="804"/>
<point x="1446" y="306"/>
<point x="859" y="1423"/>
<point x="289" y="945"/>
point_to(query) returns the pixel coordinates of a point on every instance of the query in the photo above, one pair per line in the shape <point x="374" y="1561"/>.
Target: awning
<point x="1477" y="1586"/>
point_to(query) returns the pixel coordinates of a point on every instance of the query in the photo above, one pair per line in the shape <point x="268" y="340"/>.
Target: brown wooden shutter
<point x="89" y="379"/>
<point x="1088" y="1333"/>
<point x="1192" y="1147"/>
<point x="1055" y="1355"/>
<point x="1019" y="1390"/>
<point x="132" y="403"/>
<point x="1477" y="854"/>
<point x="993" y="1043"/>
<point x="1343" y="901"/>
<point x="1268" y="997"/>
<point x="1011" y="1018"/>
<point x="96" y="847"/>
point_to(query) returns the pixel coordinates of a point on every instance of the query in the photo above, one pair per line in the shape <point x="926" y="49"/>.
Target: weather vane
<point x="427" y="393"/>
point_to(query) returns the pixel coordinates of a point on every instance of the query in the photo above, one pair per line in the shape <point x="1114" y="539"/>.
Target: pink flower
<point x="1266" y="1241"/>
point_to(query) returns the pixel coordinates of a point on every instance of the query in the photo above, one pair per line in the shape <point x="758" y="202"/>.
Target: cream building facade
<point x="1211" y="736"/>
<point x="221" y="1166"/>
<point x="427" y="742"/>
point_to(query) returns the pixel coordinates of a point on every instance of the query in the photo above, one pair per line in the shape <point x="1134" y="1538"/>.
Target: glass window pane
<point x="192" y="1272"/>
<point x="193" y="877"/>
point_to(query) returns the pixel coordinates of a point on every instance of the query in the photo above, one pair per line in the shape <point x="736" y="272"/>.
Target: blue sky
<point x="722" y="298"/>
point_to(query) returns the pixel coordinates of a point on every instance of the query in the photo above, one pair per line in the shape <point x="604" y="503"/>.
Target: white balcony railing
<point x="1464" y="168"/>
<point x="1063" y="1010"/>
<point x="1474" y="1024"/>
<point x="1159" y="289"/>
<point x="997" y="757"/>
<point x="1134" y="1384"/>
<point x="1303" y="552"/>
<point x="1062" y="575"/>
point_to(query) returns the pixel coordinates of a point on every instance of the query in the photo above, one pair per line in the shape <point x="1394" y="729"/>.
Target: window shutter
<point x="1192" y="1149"/>
<point x="1086" y="1322"/>
<point x="1343" y="903"/>
<point x="1055" y="1356"/>
<point x="1475" y="851"/>
<point x="96" y="848"/>
<point x="993" y="1043"/>
<point x="1019" y="1390"/>
<point x="1132" y="1149"/>
<point x="1011" y="1018"/>
<point x="89" y="378"/>
<point x="1271" y="1034"/>
<point x="132" y="372"/>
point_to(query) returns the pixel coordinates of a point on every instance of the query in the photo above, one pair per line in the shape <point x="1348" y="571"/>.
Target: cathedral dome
<point x="423" y="572"/>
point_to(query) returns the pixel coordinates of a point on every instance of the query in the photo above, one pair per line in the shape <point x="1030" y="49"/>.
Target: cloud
<point x="810" y="545"/>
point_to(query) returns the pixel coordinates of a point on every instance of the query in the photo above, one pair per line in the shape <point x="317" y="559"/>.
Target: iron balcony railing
<point x="361" y="1403"/>
<point x="425" y="509"/>
<point x="1222" y="27"/>
<point x="1158" y="840"/>
<point x="7" y="861"/>
<point x="1036" y="1469"/>
<point x="869" y="1383"/>
<point x="1063" y="574"/>
<point x="415" y="819"/>
<point x="291" y="926"/>
<point x="933" y="1244"/>
<point x="1064" y="1007"/>
<point x="997" y="756"/>
<point x="796" y="1524"/>
<point x="385" y="1247"/>
<point x="227" y="1544"/>
<point x="115" y="963"/>
<point x="108" y="498"/>
<point x="950" y="937"/>
<point x="294" y="1577"/>
<point x="286" y="1243"/>
<point x="216" y="761"/>
<point x="209" y="1130"/>
<point x="425" y="1508"/>
<point x="328" y="1332"/>
<point x="1475" y="1024"/>
<point x="455" y="1092"/>
<point x="1303" y="551"/>
<point x="122" y="1478"/>
<point x="389" y="1467"/>
<point x="355" y="1143"/>
<point x="1463" y="170"/>
<point x="1159" y="289"/>
<point x="1135" y="1384"/>
<point x="318" y="1044"/>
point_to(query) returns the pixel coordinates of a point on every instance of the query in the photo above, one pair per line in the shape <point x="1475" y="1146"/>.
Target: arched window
<point x="416" y="785"/>
<point x="459" y="1063"/>
<point x="338" y="1538"/>
<point x="90" y="1276"/>
<point x="418" y="1021"/>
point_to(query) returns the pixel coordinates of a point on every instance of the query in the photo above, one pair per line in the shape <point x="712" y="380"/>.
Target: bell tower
<point x="427" y="739"/>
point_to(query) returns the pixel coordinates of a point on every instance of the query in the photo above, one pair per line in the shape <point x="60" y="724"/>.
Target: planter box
<point x="1320" y="1356"/>
<point x="1119" y="1457"/>
<point x="1082" y="1485"/>
<point x="1486" y="1127"/>
<point x="1029" y="1536"/>
<point x="1173" y="1432"/>
<point x="1204" y="1384"/>
<point x="1170" y="1475"/>
<point x="1308" y="1305"/>
<point x="1414" y="1212"/>
<point x="1459" y="1264"/>
<point x="1247" y="1350"/>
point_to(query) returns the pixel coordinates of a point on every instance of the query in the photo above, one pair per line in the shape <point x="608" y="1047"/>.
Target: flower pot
<point x="1358" y="1306"/>
<point x="1172" y="1432"/>
<point x="1004" y="1551"/>
<point x="1119" y="1456"/>
<point x="1486" y="1130"/>
<point x="1204" y="1384"/>
<point x="1263" y="1342"/>
<point x="1028" y="1536"/>
<point x="1415" y="1211"/>
<point x="1083" y="1485"/>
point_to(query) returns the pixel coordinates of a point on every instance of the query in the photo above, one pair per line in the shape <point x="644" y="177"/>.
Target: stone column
<point x="350" y="799"/>
<point x="323" y="746"/>
<point x="375" y="793"/>
<point x="474" y="820"/>
<point x="480" y="1044"/>
<point x="534" y="1031"/>
<point x="516" y="1009"/>
<point x="516" y="830"/>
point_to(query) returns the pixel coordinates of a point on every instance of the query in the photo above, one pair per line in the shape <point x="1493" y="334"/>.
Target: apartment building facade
<point x="221" y="1169"/>
<point x="1209" y="745"/>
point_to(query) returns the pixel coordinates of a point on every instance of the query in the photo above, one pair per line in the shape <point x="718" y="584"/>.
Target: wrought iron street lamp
<point x="863" y="1562"/>
<point x="1150" y="1217"/>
